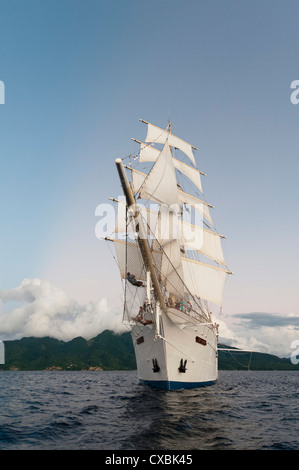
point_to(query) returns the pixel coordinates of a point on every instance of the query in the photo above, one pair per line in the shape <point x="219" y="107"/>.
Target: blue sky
<point x="78" y="76"/>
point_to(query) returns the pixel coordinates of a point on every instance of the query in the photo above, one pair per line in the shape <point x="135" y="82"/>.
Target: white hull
<point x="179" y="341"/>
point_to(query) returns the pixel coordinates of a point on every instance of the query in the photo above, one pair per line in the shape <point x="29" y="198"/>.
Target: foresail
<point x="150" y="154"/>
<point x="160" y="184"/>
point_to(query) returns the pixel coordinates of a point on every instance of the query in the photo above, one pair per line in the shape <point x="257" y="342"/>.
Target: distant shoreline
<point x="110" y="351"/>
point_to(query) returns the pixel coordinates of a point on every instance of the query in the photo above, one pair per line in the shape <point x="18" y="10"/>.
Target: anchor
<point x="182" y="367"/>
<point x="156" y="367"/>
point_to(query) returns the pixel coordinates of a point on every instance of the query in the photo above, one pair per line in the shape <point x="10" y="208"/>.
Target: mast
<point x="205" y="281"/>
<point x="142" y="241"/>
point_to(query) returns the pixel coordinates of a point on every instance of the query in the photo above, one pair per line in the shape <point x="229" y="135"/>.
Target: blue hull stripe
<point x="169" y="385"/>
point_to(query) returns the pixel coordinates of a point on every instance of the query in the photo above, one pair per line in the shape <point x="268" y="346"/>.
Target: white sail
<point x="192" y="173"/>
<point x="129" y="259"/>
<point x="160" y="185"/>
<point x="127" y="223"/>
<point x="138" y="178"/>
<point x="171" y="268"/>
<point x="150" y="154"/>
<point x="167" y="227"/>
<point x="205" y="241"/>
<point x="198" y="204"/>
<point x="204" y="281"/>
<point x="122" y="225"/>
<point x="168" y="236"/>
<point x="160" y="136"/>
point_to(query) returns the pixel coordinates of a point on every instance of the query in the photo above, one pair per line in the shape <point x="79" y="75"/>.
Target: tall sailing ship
<point x="171" y="263"/>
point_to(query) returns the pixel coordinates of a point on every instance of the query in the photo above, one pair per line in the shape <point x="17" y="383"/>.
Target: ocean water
<point x="244" y="410"/>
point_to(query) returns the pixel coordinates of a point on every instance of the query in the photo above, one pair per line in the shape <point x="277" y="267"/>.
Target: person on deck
<point x="132" y="279"/>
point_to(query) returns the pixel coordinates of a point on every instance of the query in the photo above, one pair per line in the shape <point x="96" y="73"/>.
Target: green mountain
<point x="111" y="351"/>
<point x="108" y="351"/>
<point x="238" y="360"/>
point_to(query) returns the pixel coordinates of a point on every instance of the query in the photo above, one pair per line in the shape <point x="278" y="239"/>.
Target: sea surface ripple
<point x="244" y="410"/>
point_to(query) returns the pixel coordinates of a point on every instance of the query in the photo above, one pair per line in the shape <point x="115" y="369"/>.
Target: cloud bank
<point x="271" y="333"/>
<point x="37" y="308"/>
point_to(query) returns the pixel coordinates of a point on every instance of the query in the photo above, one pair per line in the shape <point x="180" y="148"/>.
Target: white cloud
<point x="37" y="308"/>
<point x="41" y="309"/>
<point x="270" y="333"/>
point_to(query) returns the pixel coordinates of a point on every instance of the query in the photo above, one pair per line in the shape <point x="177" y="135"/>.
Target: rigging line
<point x="124" y="285"/>
<point x="203" y="313"/>
<point x="184" y="354"/>
<point x="146" y="144"/>
<point x="135" y="296"/>
<point x="126" y="255"/>
<point x="242" y="365"/>
<point x="126" y="267"/>
<point x="189" y="321"/>
<point x="111" y="252"/>
<point x="120" y="276"/>
<point x="148" y="357"/>
<point x="200" y="307"/>
<point x="207" y="225"/>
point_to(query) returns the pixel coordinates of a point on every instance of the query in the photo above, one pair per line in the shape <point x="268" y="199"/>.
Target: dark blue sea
<point x="244" y="410"/>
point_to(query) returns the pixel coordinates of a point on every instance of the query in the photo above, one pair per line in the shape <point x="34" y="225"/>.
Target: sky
<point x="78" y="75"/>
